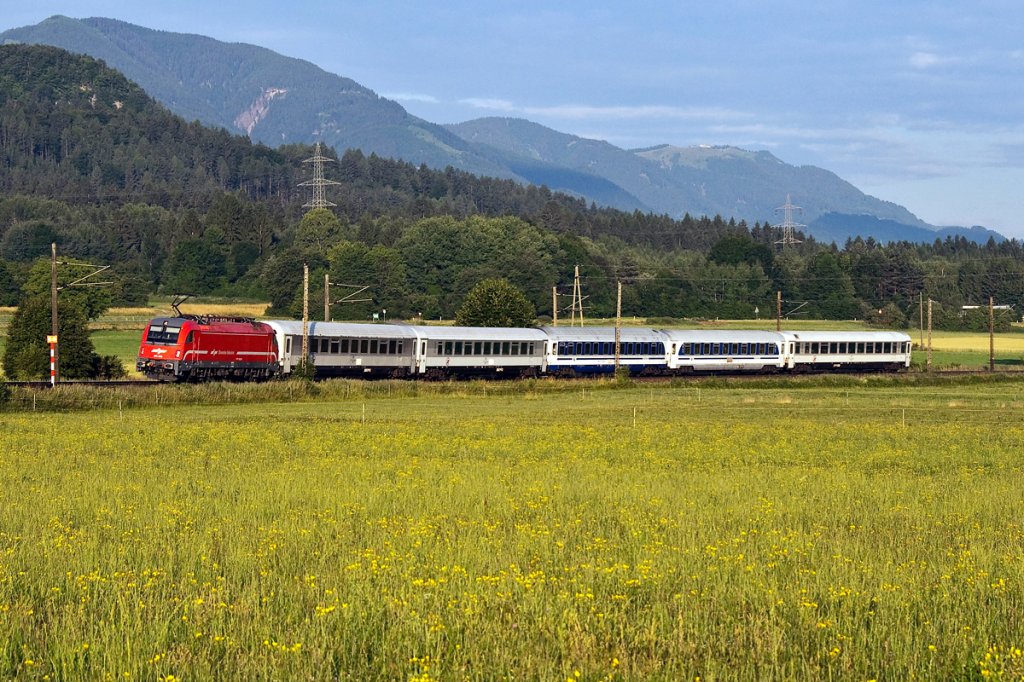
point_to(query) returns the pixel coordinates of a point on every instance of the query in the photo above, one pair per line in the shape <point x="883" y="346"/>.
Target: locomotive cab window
<point x="163" y="336"/>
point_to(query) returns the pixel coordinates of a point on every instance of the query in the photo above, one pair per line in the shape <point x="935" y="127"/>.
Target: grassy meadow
<point x="540" y="530"/>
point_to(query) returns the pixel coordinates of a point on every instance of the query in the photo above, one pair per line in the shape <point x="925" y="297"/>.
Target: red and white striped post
<point x="52" y="340"/>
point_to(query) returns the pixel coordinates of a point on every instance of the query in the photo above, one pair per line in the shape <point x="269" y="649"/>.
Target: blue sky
<point x="916" y="102"/>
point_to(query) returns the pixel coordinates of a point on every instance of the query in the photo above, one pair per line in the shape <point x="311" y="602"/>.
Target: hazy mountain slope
<point x="837" y="227"/>
<point x="635" y="175"/>
<point x="697" y="180"/>
<point x="740" y="182"/>
<point x="249" y="89"/>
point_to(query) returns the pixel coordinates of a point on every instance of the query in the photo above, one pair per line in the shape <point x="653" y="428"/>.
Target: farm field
<point x="533" y="531"/>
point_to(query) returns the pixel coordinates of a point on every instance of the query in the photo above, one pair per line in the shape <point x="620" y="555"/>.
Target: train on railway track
<point x="197" y="348"/>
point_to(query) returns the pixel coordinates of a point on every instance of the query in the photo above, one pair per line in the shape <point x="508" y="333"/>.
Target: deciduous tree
<point x="495" y="303"/>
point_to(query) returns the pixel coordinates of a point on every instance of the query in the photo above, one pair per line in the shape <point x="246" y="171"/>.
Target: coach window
<point x="457" y="350"/>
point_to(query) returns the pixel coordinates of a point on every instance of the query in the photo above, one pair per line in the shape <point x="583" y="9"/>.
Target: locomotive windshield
<point x="163" y="335"/>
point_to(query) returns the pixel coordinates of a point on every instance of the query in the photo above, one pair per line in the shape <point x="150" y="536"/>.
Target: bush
<point x="5" y="394"/>
<point x="108" y="367"/>
<point x="888" y="317"/>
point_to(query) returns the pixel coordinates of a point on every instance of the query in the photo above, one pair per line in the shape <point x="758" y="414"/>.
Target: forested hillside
<point x="91" y="162"/>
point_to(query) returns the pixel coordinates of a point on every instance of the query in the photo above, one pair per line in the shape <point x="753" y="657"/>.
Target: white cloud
<point x="485" y="103"/>
<point x="928" y="60"/>
<point x="411" y="97"/>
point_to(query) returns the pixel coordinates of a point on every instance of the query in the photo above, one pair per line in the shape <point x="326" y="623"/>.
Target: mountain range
<point x="279" y="100"/>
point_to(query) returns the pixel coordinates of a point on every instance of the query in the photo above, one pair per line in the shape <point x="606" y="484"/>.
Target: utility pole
<point x="991" y="336"/>
<point x="928" y="363"/>
<point x="618" y="327"/>
<point x="554" y="306"/>
<point x="327" y="297"/>
<point x="305" y="314"/>
<point x="920" y="305"/>
<point x="778" y="310"/>
<point x="54" y="322"/>
<point x="577" y="297"/>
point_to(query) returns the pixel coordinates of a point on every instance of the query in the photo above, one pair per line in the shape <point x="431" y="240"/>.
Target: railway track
<point x="738" y="377"/>
<point x="100" y="384"/>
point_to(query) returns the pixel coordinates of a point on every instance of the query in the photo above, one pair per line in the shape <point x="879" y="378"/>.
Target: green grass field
<point x="532" y="531"/>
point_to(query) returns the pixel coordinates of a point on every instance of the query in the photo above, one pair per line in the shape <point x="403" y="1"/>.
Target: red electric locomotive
<point x="190" y="347"/>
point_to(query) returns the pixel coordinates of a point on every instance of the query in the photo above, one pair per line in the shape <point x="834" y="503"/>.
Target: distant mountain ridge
<point x="278" y="100"/>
